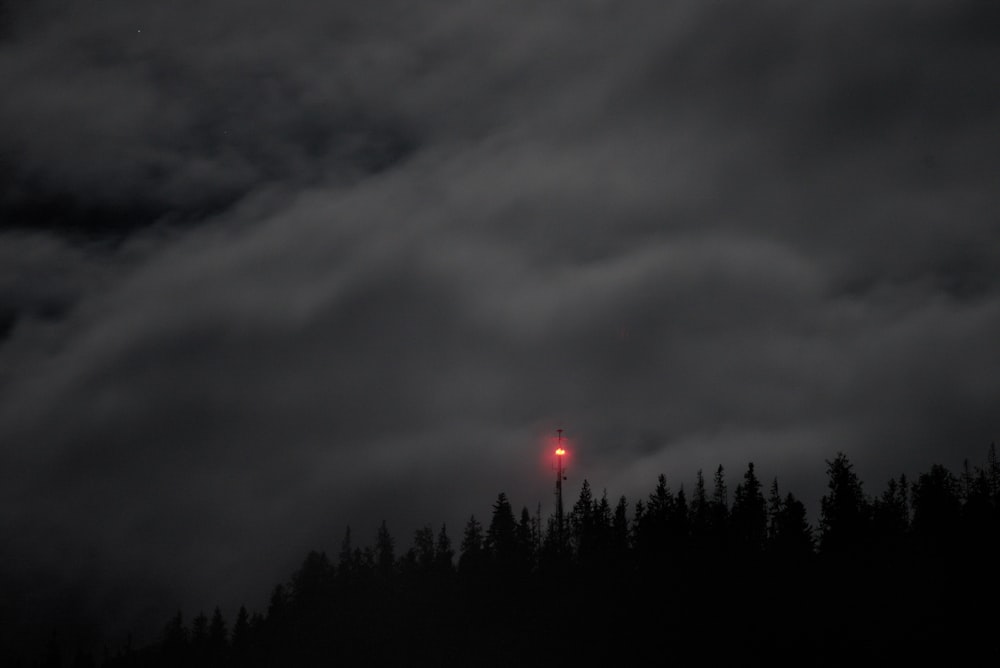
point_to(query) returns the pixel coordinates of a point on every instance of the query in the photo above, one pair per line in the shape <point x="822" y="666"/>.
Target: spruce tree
<point x="844" y="511"/>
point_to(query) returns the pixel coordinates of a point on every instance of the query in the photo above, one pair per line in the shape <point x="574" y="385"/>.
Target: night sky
<point x="271" y="268"/>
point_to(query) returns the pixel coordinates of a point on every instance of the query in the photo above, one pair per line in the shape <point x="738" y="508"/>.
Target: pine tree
<point x="700" y="508"/>
<point x="603" y="539"/>
<point x="844" y="514"/>
<point x="443" y="552"/>
<point x="472" y="555"/>
<point x="199" y="638"/>
<point x="620" y="527"/>
<point x="525" y="540"/>
<point x="175" y="639"/>
<point x="749" y="513"/>
<point x="792" y="539"/>
<point x="581" y="522"/>
<point x="241" y="636"/>
<point x="423" y="547"/>
<point x="891" y="515"/>
<point x="501" y="536"/>
<point x="719" y="507"/>
<point x="774" y="506"/>
<point x="347" y="561"/>
<point x="937" y="509"/>
<point x="218" y="637"/>
<point x="385" y="551"/>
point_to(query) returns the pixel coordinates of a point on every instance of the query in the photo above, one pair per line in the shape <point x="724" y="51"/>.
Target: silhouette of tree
<point x="473" y="552"/>
<point x="423" y="553"/>
<point x="175" y="639"/>
<point x="774" y="505"/>
<point x="312" y="586"/>
<point x="792" y="537"/>
<point x="385" y="551"/>
<point x="749" y="513"/>
<point x="348" y="559"/>
<point x="891" y="515"/>
<point x="652" y="524"/>
<point x="443" y="552"/>
<point x="525" y="541"/>
<point x="581" y="523"/>
<point x="199" y="639"/>
<point x="719" y="513"/>
<point x="700" y="507"/>
<point x="679" y="526"/>
<point x="501" y="537"/>
<point x="218" y="637"/>
<point x="937" y="509"/>
<point x="844" y="511"/>
<point x="241" y="637"/>
<point x="602" y="527"/>
<point x="620" y="528"/>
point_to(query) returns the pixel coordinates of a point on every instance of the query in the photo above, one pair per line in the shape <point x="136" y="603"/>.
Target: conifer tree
<point x="218" y="637"/>
<point x="774" y="505"/>
<point x="175" y="638"/>
<point x="749" y="512"/>
<point x="844" y="511"/>
<point x="700" y="508"/>
<point x="719" y="505"/>
<point x="423" y="547"/>
<point x="241" y="636"/>
<point x="347" y="561"/>
<point x="936" y="508"/>
<point x="792" y="538"/>
<point x="443" y="552"/>
<point x="471" y="558"/>
<point x="501" y="536"/>
<point x="385" y="551"/>
<point x="581" y="522"/>
<point x="620" y="528"/>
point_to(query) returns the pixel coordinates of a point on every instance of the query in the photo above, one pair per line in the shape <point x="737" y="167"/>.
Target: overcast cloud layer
<point x="267" y="269"/>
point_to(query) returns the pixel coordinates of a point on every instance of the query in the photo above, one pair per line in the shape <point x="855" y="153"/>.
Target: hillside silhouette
<point x="713" y="574"/>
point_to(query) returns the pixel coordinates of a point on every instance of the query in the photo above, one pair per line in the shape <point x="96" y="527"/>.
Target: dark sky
<point x="269" y="268"/>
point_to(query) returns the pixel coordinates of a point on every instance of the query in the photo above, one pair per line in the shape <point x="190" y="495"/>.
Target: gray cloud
<point x="362" y="262"/>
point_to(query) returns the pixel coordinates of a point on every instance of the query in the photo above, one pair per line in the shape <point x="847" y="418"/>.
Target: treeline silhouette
<point x="713" y="575"/>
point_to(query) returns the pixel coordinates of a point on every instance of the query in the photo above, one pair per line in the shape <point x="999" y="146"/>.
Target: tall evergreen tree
<point x="218" y="637"/>
<point x="581" y="523"/>
<point x="749" y="513"/>
<point x="385" y="551"/>
<point x="774" y="505"/>
<point x="792" y="538"/>
<point x="844" y="511"/>
<point x="348" y="559"/>
<point x="937" y="509"/>
<point x="175" y="639"/>
<point x="620" y="528"/>
<point x="719" y="515"/>
<point x="241" y="637"/>
<point x="700" y="508"/>
<point x="891" y="515"/>
<point x="501" y="536"/>
<point x="423" y="546"/>
<point x="444" y="555"/>
<point x="471" y="559"/>
<point x="525" y="541"/>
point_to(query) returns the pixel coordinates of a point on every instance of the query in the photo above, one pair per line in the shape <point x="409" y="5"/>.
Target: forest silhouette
<point x="713" y="575"/>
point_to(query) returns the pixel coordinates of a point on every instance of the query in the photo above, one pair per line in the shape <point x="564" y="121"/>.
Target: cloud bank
<point x="273" y="268"/>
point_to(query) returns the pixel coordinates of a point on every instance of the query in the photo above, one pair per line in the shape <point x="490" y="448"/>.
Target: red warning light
<point x="560" y="452"/>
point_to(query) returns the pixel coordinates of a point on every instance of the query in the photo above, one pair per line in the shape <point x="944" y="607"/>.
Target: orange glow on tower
<point x="560" y="452"/>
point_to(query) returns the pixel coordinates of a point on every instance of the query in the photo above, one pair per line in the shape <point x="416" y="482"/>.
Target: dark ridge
<point x="722" y="574"/>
